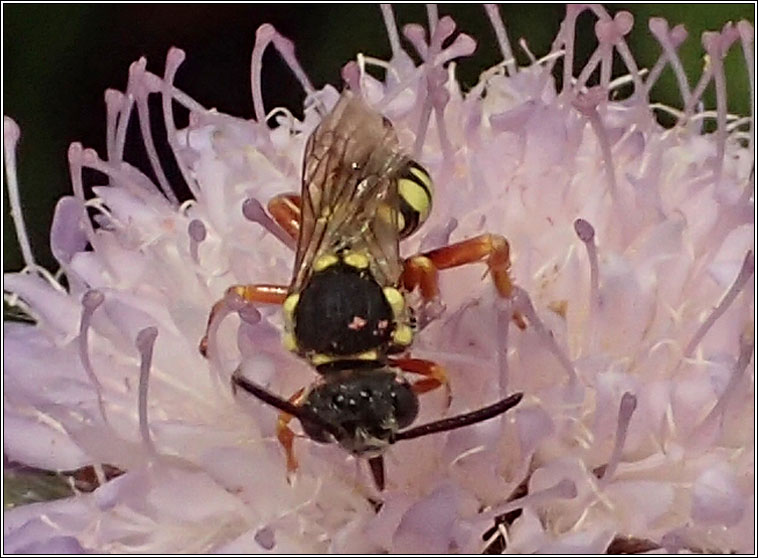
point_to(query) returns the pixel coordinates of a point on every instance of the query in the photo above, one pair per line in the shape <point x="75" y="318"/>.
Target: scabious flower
<point x="632" y="247"/>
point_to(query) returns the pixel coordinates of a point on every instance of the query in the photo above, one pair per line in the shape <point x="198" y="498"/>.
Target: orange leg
<point x="285" y="436"/>
<point x="434" y="375"/>
<point x="265" y="294"/>
<point x="285" y="210"/>
<point x="421" y="270"/>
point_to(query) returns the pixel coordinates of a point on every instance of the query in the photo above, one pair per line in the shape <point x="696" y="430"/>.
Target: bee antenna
<point x="300" y="413"/>
<point x="459" y="421"/>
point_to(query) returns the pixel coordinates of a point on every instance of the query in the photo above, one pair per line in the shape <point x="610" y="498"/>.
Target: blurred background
<point x="59" y="59"/>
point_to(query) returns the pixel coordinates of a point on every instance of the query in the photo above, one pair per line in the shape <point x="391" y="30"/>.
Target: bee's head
<point x="365" y="407"/>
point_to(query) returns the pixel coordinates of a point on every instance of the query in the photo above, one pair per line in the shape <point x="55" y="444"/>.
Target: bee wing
<point x="349" y="192"/>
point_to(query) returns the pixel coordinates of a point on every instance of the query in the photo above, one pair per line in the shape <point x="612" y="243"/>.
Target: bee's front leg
<point x="264" y="294"/>
<point x="434" y="375"/>
<point x="493" y="249"/>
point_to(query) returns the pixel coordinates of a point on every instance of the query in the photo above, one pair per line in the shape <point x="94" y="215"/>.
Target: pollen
<point x="290" y="304"/>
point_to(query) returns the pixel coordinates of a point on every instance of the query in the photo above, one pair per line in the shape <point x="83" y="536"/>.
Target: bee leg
<point x="493" y="249"/>
<point x="285" y="436"/>
<point x="435" y="375"/>
<point x="265" y="294"/>
<point x="285" y="209"/>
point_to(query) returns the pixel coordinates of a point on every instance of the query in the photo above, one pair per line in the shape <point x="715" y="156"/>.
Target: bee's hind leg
<point x="493" y="249"/>
<point x="285" y="210"/>
<point x="262" y="294"/>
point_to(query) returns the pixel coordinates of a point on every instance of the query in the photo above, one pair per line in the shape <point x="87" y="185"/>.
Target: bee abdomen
<point x="415" y="190"/>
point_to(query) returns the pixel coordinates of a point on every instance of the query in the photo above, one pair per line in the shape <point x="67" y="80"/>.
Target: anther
<point x="197" y="233"/>
<point x="586" y="234"/>
<point x="90" y="302"/>
<point x="626" y="410"/>
<point x="145" y="344"/>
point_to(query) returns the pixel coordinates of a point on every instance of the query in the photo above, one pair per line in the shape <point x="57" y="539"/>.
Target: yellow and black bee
<point x="347" y="307"/>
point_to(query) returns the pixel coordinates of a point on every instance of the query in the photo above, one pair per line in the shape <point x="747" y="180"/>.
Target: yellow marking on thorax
<point x="289" y="342"/>
<point x="290" y="303"/>
<point x="356" y="260"/>
<point x="403" y="335"/>
<point x="322" y="262"/>
<point x="395" y="299"/>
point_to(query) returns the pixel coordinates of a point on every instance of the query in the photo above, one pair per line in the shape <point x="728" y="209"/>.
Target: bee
<point x="347" y="309"/>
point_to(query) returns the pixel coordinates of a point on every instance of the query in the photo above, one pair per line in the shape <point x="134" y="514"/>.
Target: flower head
<point x="632" y="247"/>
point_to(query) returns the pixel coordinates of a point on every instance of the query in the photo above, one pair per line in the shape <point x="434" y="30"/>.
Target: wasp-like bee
<point x="347" y="308"/>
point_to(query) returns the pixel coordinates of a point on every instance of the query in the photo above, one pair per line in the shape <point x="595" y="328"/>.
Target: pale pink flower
<point x="632" y="247"/>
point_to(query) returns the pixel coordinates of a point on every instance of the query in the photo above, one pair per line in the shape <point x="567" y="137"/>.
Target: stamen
<point x="145" y="344"/>
<point x="11" y="135"/>
<point x="417" y="37"/>
<point x="197" y="233"/>
<point x="76" y="165"/>
<point x="522" y="302"/>
<point x="716" y="45"/>
<point x="392" y="34"/>
<point x="496" y="20"/>
<point x="253" y="211"/>
<point x="440" y="97"/>
<point x="432" y="17"/>
<point x="567" y="35"/>
<point x="746" y="32"/>
<point x="351" y="75"/>
<point x="141" y="89"/>
<point x="113" y="102"/>
<point x="562" y="490"/>
<point x="174" y="59"/>
<point x="747" y="344"/>
<point x="286" y="49"/>
<point x="587" y="105"/>
<point x="124" y="114"/>
<point x="90" y="302"/>
<point x="586" y="234"/>
<point x="263" y="37"/>
<point x="626" y="410"/>
<point x="439" y="235"/>
<point x="624" y="21"/>
<point x="746" y="271"/>
<point x="670" y="41"/>
<point x="504" y="317"/>
<point x="588" y="69"/>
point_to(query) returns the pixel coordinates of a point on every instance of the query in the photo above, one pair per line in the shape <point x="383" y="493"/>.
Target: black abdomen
<point x="342" y="311"/>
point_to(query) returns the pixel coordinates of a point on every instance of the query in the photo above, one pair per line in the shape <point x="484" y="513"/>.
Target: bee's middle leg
<point x="265" y="294"/>
<point x="435" y="375"/>
<point x="421" y="270"/>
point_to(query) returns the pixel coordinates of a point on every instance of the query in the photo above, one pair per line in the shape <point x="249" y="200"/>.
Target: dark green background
<point x="59" y="59"/>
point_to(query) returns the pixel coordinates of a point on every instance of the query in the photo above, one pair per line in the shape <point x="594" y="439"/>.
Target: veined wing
<point x="349" y="191"/>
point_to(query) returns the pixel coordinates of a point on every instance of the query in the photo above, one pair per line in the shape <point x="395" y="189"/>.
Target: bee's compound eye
<point x="405" y="403"/>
